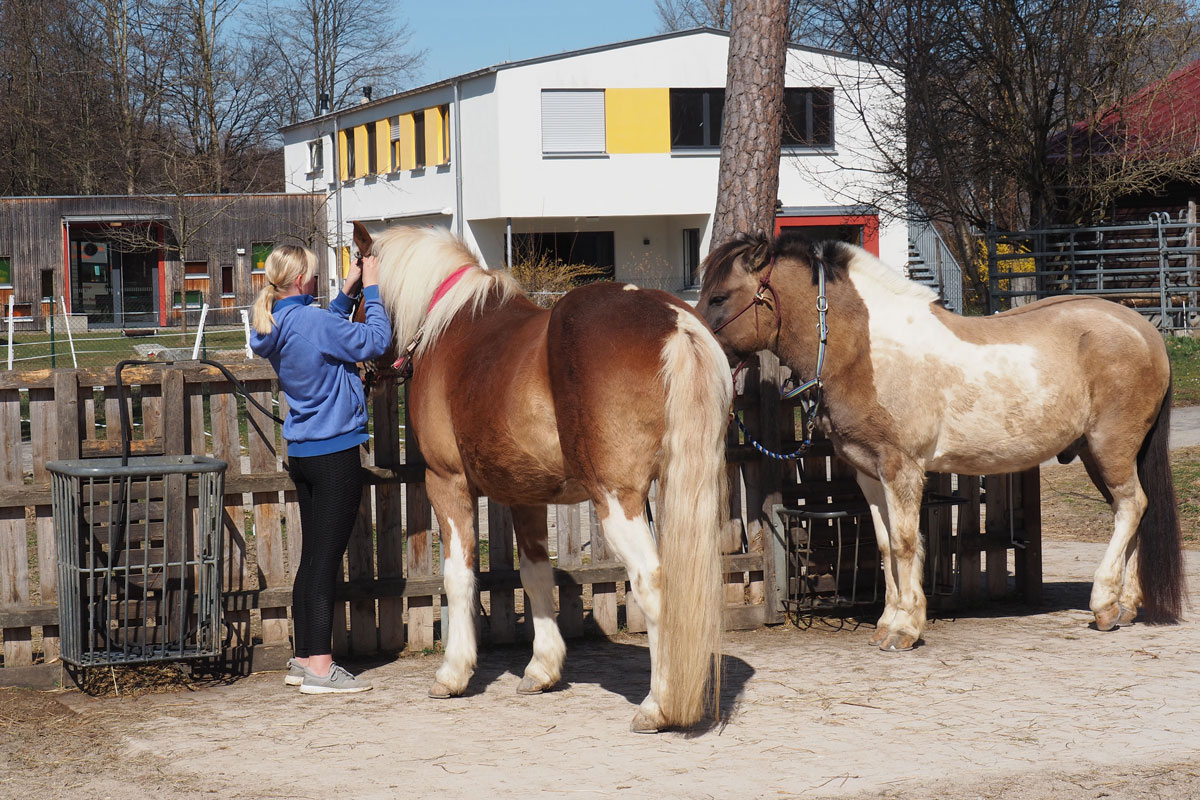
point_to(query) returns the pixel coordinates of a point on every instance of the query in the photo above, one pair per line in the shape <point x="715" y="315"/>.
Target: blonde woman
<point x="313" y="351"/>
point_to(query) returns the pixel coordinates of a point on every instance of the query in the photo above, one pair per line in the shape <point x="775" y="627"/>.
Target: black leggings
<point x="329" y="489"/>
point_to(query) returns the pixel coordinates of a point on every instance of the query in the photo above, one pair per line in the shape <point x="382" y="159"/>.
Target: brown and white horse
<point x="908" y="386"/>
<point x="613" y="388"/>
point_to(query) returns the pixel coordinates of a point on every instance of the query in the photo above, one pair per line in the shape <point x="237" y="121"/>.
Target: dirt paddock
<point x="1014" y="703"/>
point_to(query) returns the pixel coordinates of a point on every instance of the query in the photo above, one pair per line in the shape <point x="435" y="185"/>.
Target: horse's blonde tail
<point x="693" y="505"/>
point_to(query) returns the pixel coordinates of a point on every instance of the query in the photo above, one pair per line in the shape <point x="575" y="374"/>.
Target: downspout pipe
<point x="336" y="266"/>
<point x="458" y="182"/>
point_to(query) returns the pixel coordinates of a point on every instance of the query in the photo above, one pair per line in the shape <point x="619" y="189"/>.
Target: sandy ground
<point x="1014" y="703"/>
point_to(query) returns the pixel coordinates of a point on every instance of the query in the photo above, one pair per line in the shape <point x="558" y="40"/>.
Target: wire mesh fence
<point x="68" y="340"/>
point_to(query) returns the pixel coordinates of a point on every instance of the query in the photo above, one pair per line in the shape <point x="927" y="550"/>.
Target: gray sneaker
<point x="295" y="674"/>
<point x="338" y="681"/>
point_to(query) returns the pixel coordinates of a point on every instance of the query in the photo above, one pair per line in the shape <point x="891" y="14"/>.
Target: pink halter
<point x="448" y="284"/>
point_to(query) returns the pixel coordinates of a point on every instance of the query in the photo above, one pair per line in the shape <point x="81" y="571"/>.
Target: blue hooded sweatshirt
<point x="313" y="351"/>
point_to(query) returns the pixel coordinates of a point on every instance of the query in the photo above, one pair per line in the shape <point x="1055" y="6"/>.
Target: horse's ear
<point x="759" y="254"/>
<point x="362" y="239"/>
<point x="816" y="255"/>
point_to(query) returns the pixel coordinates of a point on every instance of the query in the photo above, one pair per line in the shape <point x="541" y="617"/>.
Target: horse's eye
<point x="717" y="300"/>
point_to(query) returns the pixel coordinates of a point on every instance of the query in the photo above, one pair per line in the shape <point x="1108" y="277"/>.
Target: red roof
<point x="1161" y="119"/>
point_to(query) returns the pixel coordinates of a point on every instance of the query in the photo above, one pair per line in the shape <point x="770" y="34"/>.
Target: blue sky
<point x="464" y="35"/>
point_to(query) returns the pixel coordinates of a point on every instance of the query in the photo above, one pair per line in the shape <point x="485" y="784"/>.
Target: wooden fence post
<point x="764" y="482"/>
<point x="500" y="562"/>
<point x="997" y="528"/>
<point x="570" y="597"/>
<point x="389" y="513"/>
<point x="1029" y="558"/>
<point x="420" y="555"/>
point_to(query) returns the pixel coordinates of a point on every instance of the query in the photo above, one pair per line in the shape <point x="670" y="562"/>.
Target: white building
<point x="606" y="156"/>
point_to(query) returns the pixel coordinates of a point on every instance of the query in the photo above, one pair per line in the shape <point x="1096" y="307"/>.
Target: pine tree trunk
<point x="751" y="130"/>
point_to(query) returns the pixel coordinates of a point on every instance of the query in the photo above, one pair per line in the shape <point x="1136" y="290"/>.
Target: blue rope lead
<point x="810" y="413"/>
<point x="800" y="451"/>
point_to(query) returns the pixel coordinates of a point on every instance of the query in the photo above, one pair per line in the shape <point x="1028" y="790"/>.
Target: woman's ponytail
<point x="261" y="316"/>
<point x="284" y="265"/>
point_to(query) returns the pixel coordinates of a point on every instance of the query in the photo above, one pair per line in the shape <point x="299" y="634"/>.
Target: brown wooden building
<point x="137" y="262"/>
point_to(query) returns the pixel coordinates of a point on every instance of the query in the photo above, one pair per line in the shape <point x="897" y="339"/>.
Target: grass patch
<point x="1185" y="369"/>
<point x="1073" y="509"/>
<point x="104" y="348"/>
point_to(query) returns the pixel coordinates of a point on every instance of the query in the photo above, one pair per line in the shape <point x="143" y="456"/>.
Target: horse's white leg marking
<point x="1129" y="503"/>
<point x="1131" y="588"/>
<point x="877" y="501"/>
<point x="459" y="580"/>
<point x="549" y="649"/>
<point x="908" y="553"/>
<point x="630" y="539"/>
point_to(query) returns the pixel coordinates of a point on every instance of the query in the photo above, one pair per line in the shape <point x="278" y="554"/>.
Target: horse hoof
<point x="1108" y="618"/>
<point x="530" y="686"/>
<point x="1127" y="615"/>
<point x="439" y="692"/>
<point x="877" y="638"/>
<point x="646" y="723"/>
<point x="898" y="643"/>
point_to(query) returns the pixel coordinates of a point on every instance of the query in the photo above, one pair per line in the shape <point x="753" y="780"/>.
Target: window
<point x="589" y="248"/>
<point x="6" y="271"/>
<point x="808" y="117"/>
<point x="258" y="259"/>
<point x="396" y="143"/>
<point x="573" y="121"/>
<point x="691" y="256"/>
<point x="351" y="169"/>
<point x="195" y="299"/>
<point x="372" y="157"/>
<point x="696" y="117"/>
<point x="316" y="156"/>
<point x="444" y="112"/>
<point x="227" y="281"/>
<point x="47" y="284"/>
<point x="419" y="138"/>
<point x="195" y="270"/>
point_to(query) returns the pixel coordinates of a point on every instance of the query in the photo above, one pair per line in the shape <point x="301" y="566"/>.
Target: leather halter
<point x="760" y="297"/>
<point x="810" y="408"/>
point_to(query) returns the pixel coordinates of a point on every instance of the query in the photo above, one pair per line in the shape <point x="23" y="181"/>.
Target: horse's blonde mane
<point x="861" y="264"/>
<point x="413" y="262"/>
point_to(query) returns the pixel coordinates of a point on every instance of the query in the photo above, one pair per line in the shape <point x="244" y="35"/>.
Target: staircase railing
<point x="938" y="259"/>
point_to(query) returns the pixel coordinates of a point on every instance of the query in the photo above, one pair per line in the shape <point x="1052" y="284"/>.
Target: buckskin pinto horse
<point x="592" y="400"/>
<point x="907" y="386"/>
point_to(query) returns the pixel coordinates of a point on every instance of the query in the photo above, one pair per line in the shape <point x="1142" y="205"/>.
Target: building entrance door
<point x="113" y="287"/>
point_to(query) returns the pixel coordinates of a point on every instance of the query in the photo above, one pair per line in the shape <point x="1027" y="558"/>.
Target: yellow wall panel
<point x="342" y="174"/>
<point x="408" y="156"/>
<point x="361" y="158"/>
<point x="637" y="120"/>
<point x="383" y="148"/>
<point x="433" y="137"/>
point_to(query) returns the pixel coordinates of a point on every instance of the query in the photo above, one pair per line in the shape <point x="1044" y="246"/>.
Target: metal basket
<point x="139" y="558"/>
<point x="831" y="557"/>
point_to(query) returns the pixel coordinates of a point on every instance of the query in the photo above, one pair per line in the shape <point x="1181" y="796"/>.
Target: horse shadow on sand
<point x="618" y="667"/>
<point x="1056" y="596"/>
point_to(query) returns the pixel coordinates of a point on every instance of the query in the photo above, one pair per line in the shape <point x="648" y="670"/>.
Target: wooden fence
<point x="392" y="588"/>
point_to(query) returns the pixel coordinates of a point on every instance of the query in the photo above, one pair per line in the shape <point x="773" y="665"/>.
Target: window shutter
<point x="572" y="121"/>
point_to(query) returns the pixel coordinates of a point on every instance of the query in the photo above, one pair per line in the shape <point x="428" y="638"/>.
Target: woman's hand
<point x="353" y="278"/>
<point x="370" y="271"/>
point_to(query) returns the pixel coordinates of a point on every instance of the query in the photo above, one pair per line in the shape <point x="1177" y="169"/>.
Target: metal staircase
<point x="931" y="263"/>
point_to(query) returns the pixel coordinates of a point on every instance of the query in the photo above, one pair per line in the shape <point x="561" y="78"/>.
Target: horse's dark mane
<point x="761" y="250"/>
